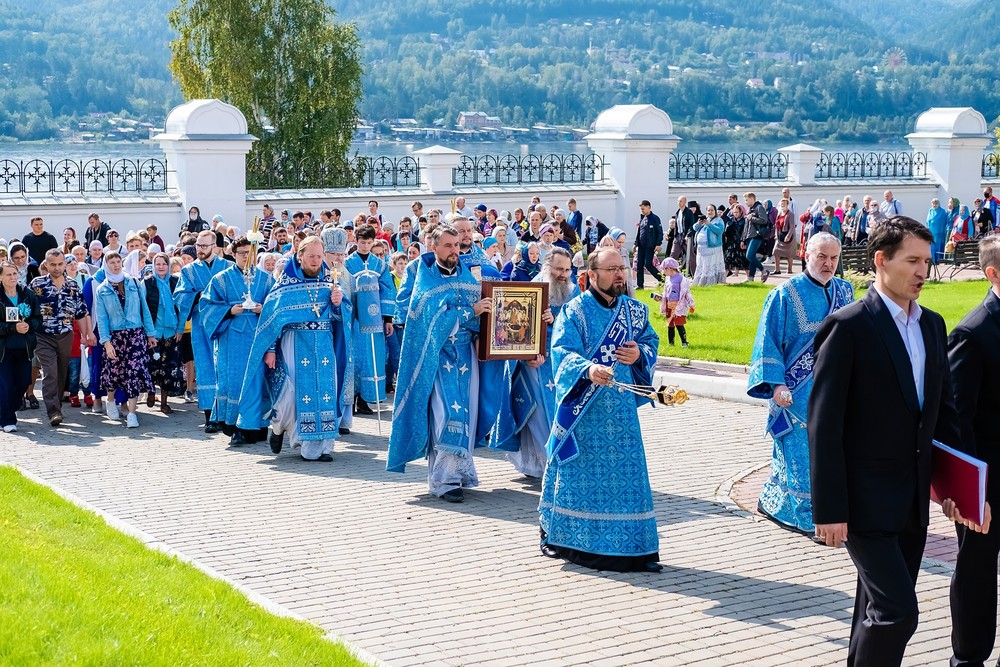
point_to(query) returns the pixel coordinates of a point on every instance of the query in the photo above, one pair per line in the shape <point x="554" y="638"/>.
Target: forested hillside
<point x="838" y="69"/>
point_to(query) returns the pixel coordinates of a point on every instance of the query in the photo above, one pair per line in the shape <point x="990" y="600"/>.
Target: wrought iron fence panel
<point x="83" y="176"/>
<point x="991" y="166"/>
<point x="860" y="165"/>
<point x="361" y="171"/>
<point x="518" y="169"/>
<point x="727" y="166"/>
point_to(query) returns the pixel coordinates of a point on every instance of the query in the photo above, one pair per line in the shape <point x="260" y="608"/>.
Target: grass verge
<point x="725" y="320"/>
<point x="75" y="591"/>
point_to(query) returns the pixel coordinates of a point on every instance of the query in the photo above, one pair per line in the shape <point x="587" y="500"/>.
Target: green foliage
<point x="293" y="72"/>
<point x="824" y="63"/>
<point x="75" y="591"/>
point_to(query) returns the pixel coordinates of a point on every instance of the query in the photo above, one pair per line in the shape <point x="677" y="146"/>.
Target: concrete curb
<point x="153" y="543"/>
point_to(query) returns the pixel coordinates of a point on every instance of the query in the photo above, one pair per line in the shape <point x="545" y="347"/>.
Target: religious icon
<point x="12" y="314"/>
<point x="514" y="330"/>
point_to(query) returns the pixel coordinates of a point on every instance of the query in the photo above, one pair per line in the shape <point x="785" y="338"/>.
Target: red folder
<point x="960" y="477"/>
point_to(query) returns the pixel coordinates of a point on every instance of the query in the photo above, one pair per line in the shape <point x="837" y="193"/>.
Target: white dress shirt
<point x="909" y="329"/>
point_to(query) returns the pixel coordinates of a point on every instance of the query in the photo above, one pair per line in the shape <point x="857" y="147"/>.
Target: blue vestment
<point x="232" y="335"/>
<point x="194" y="279"/>
<point x="526" y="410"/>
<point x="436" y="355"/>
<point x="783" y="354"/>
<point x="596" y="496"/>
<point x="938" y="223"/>
<point x="305" y="331"/>
<point x="374" y="298"/>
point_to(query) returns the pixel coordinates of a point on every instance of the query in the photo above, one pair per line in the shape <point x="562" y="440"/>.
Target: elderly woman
<point x="165" y="368"/>
<point x="126" y="330"/>
<point x="20" y="318"/>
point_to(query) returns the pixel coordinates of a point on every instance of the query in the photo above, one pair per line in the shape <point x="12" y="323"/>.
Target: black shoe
<point x="237" y="439"/>
<point x="211" y="427"/>
<point x="33" y="402"/>
<point x="344" y="430"/>
<point x="653" y="566"/>
<point x="550" y="551"/>
<point x="228" y="429"/>
<point x="325" y="458"/>
<point x="55" y="419"/>
<point x="361" y="407"/>
<point x="453" y="496"/>
<point x="275" y="442"/>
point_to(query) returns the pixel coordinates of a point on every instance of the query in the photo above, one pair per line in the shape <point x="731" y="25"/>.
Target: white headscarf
<point x="132" y="266"/>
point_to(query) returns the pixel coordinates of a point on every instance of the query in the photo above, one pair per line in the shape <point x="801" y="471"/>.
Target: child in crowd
<point x="676" y="303"/>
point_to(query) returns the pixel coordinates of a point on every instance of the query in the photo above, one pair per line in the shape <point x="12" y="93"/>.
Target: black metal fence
<point x="83" y="176"/>
<point x="518" y="169"/>
<point x="727" y="166"/>
<point x="991" y="165"/>
<point x="361" y="171"/>
<point x="860" y="165"/>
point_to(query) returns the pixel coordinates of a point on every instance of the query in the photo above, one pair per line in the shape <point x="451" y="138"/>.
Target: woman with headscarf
<point x="504" y="250"/>
<point x="962" y="227"/>
<point x="529" y="264"/>
<point x="195" y="224"/>
<point x="711" y="266"/>
<point x="17" y="342"/>
<point x="126" y="331"/>
<point x="784" y="237"/>
<point x="938" y="223"/>
<point x="165" y="367"/>
<point x="134" y="264"/>
<point x="735" y="257"/>
<point x="616" y="239"/>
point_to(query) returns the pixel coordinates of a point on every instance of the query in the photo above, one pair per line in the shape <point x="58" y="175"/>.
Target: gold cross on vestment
<point x="315" y="309"/>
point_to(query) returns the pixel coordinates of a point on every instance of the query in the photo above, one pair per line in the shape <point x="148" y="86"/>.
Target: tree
<point x="293" y="72"/>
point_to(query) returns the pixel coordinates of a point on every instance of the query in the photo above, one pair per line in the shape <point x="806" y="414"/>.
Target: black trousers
<point x="974" y="597"/>
<point x="885" y="604"/>
<point x="643" y="262"/>
<point x="15" y="375"/>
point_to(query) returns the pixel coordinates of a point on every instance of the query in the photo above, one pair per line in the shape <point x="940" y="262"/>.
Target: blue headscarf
<point x="166" y="313"/>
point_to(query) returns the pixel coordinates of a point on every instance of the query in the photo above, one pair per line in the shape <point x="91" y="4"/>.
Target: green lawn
<point x="75" y="591"/>
<point x="725" y="320"/>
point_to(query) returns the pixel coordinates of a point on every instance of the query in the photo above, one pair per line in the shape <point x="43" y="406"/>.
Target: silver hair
<point x="989" y="252"/>
<point x="819" y="239"/>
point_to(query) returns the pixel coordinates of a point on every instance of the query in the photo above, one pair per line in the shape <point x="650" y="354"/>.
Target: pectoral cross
<point x="315" y="309"/>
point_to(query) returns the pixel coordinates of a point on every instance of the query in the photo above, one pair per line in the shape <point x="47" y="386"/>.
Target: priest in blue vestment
<point x="781" y="371"/>
<point x="528" y="401"/>
<point x="471" y="256"/>
<point x="231" y="328"/>
<point x="374" y="300"/>
<point x="437" y="406"/>
<point x="335" y="241"/>
<point x="194" y="279"/>
<point x="596" y="508"/>
<point x="300" y="342"/>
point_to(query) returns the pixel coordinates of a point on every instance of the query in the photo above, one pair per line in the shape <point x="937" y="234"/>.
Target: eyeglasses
<point x="204" y="247"/>
<point x="612" y="269"/>
<point x="242" y="253"/>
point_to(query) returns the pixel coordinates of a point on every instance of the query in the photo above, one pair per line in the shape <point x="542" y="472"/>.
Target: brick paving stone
<point x="410" y="580"/>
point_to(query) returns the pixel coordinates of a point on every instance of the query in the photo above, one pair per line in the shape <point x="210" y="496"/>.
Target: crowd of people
<point x="290" y="329"/>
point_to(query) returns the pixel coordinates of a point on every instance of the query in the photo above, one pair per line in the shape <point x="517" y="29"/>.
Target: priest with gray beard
<point x="528" y="405"/>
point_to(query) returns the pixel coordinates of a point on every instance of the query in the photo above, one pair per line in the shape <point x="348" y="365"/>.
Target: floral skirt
<point x="167" y="372"/>
<point x="129" y="370"/>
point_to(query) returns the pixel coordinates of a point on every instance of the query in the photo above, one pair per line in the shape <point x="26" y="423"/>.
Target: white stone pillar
<point x="206" y="144"/>
<point x="802" y="160"/>
<point x="953" y="138"/>
<point x="635" y="141"/>
<point x="436" y="164"/>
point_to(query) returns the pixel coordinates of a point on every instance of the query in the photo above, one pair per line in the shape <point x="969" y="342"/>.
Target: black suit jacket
<point x="974" y="357"/>
<point x="869" y="440"/>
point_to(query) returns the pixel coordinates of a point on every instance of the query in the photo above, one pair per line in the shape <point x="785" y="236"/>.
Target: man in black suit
<point x="882" y="391"/>
<point x="974" y="355"/>
<point x="648" y="238"/>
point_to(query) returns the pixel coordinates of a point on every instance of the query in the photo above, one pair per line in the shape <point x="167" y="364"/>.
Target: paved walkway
<point x="413" y="580"/>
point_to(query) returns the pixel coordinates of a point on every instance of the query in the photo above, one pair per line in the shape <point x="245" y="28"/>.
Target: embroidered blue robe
<point x="783" y="354"/>
<point x="374" y="298"/>
<point x="526" y="410"/>
<point x="232" y="335"/>
<point x="193" y="281"/>
<point x="596" y="496"/>
<point x="320" y="354"/>
<point x="439" y="327"/>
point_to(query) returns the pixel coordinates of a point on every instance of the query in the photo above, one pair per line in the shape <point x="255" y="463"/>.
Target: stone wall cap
<point x="437" y="150"/>
<point x="800" y="148"/>
<point x="951" y="122"/>
<point x="205" y="117"/>
<point x="639" y="121"/>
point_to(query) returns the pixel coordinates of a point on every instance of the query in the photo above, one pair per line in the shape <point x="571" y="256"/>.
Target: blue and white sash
<point x="562" y="444"/>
